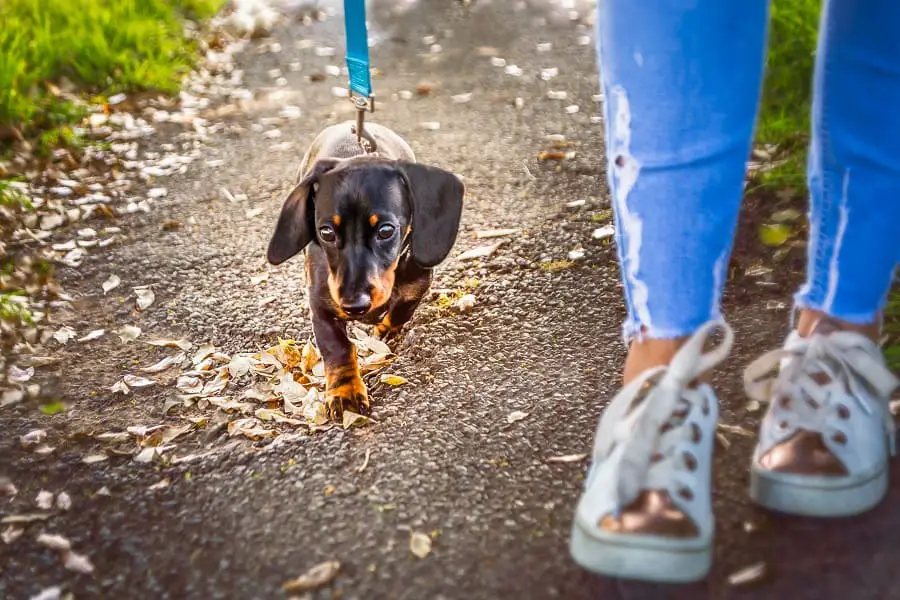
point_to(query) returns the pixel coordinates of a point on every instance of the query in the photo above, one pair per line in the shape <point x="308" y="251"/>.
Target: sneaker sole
<point x="629" y="558"/>
<point x="817" y="496"/>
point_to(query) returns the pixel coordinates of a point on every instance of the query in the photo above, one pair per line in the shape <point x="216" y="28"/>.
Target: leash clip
<point x="363" y="105"/>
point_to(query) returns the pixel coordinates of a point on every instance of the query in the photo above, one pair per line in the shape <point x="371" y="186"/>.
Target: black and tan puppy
<point x="373" y="227"/>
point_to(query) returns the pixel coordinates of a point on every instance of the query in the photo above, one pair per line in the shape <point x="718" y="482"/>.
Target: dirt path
<point x="442" y="458"/>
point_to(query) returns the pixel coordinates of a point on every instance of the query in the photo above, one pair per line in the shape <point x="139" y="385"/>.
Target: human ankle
<point x="809" y="319"/>
<point x="648" y="353"/>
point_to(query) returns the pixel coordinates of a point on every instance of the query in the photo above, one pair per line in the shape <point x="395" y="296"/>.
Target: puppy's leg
<point x="344" y="388"/>
<point x="402" y="310"/>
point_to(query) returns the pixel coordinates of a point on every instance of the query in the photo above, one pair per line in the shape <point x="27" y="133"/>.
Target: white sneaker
<point x="824" y="442"/>
<point x="646" y="510"/>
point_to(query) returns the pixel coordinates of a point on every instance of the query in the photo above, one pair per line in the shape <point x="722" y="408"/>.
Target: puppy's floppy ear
<point x="296" y="222"/>
<point x="436" y="197"/>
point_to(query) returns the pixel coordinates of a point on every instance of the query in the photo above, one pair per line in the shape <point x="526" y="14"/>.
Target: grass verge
<point x="100" y="46"/>
<point x="787" y="92"/>
<point x="56" y="56"/>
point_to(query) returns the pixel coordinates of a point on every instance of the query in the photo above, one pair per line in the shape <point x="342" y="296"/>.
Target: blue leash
<point x="358" y="66"/>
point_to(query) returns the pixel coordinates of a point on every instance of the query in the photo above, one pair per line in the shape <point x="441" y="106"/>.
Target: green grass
<point x="892" y="328"/>
<point x="787" y="92"/>
<point x="102" y="46"/>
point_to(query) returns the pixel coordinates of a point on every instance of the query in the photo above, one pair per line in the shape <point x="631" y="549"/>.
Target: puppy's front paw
<point x="345" y="391"/>
<point x="386" y="331"/>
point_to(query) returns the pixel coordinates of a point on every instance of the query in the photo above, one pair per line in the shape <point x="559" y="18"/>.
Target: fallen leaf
<point x="53" y="408"/>
<point x="183" y="344"/>
<point x="289" y="389"/>
<point x="318" y="576"/>
<point x="419" y="544"/>
<point x="145" y="297"/>
<point x="64" y="334"/>
<point x="551" y="155"/>
<point x="142" y="431"/>
<point x="54" y="541"/>
<point x="33" y="437"/>
<point x="96" y="334"/>
<point x="260" y="391"/>
<point x="495" y="233"/>
<point x="516" y="415"/>
<point x="203" y="352"/>
<point x="159" y="485"/>
<point x="249" y="428"/>
<point x="44" y="500"/>
<point x="393" y="379"/>
<point x="113" y="437"/>
<point x="748" y="575"/>
<point x="52" y="221"/>
<point x="217" y="384"/>
<point x="146" y="455"/>
<point x="18" y="375"/>
<point x="111" y="283"/>
<point x="479" y="252"/>
<point x="309" y="356"/>
<point x="373" y="344"/>
<point x="135" y="381"/>
<point x="736" y="429"/>
<point x="165" y="364"/>
<point x="23" y="519"/>
<point x="365" y="461"/>
<point x="189" y="384"/>
<point x="288" y="354"/>
<point x="466" y="302"/>
<point x="92" y="459"/>
<point x="78" y="563"/>
<point x="374" y="362"/>
<point x="774" y="234"/>
<point x="128" y="333"/>
<point x="171" y="433"/>
<point x="567" y="458"/>
<point x="786" y="215"/>
<point x="239" y="366"/>
<point x="63" y="501"/>
<point x="11" y="534"/>
<point x="601" y="233"/>
<point x="352" y="419"/>
<point x="119" y="387"/>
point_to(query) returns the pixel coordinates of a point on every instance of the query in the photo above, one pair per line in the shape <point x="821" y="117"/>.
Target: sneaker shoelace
<point x="817" y="373"/>
<point x="645" y="420"/>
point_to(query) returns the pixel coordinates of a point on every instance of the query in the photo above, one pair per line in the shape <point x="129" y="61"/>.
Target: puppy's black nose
<point x="358" y="306"/>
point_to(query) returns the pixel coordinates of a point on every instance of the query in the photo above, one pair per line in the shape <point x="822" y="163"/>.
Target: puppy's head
<point x="363" y="212"/>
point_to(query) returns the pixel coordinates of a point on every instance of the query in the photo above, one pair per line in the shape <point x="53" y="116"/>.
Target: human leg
<point x="825" y="440"/>
<point x="681" y="80"/>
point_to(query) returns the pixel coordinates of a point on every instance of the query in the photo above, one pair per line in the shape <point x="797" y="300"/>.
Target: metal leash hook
<point x="363" y="137"/>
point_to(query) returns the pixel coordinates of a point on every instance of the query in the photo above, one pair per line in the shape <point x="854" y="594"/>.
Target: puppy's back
<point x="339" y="141"/>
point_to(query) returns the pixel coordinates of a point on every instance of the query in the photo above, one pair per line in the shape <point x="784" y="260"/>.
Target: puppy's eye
<point x="326" y="233"/>
<point x="386" y="231"/>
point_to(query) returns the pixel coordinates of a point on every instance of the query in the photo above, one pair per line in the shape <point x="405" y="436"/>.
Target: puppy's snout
<point x="357" y="306"/>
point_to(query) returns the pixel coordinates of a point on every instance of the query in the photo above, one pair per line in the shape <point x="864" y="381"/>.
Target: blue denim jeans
<point x="682" y="82"/>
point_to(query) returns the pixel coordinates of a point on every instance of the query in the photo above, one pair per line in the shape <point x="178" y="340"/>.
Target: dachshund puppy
<point x="373" y="226"/>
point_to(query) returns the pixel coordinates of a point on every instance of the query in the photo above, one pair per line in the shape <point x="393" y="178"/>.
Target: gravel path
<point x="441" y="458"/>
